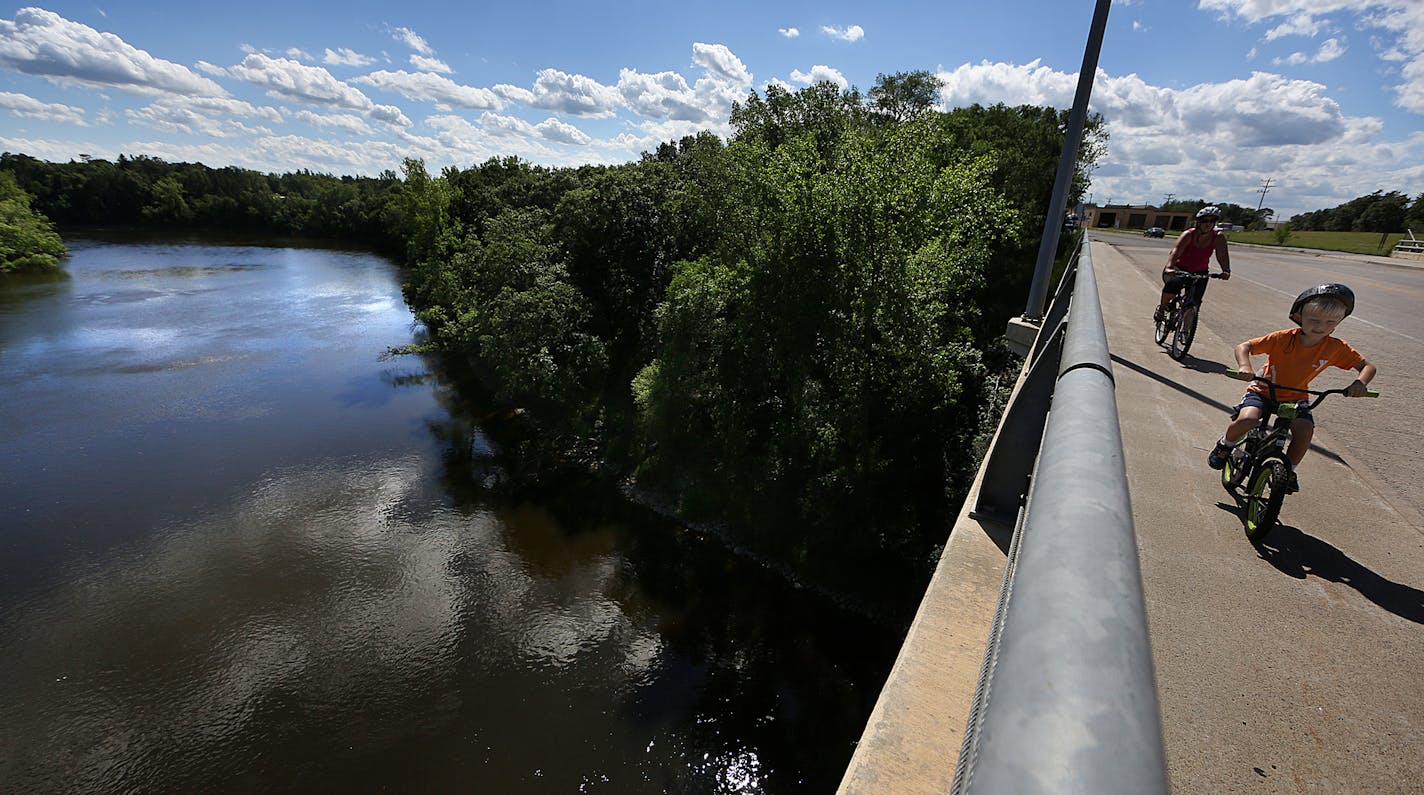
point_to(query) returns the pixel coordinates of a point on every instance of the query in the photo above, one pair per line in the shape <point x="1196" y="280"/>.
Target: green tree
<point x="905" y="95"/>
<point x="27" y="238"/>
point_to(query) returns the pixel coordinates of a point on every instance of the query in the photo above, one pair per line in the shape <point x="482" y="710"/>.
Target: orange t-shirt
<point x="1290" y="364"/>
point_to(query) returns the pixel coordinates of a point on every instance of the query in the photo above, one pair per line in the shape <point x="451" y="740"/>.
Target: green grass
<point x="1351" y="242"/>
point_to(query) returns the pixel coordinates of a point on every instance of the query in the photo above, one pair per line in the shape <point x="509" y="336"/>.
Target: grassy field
<point x="1352" y="242"/>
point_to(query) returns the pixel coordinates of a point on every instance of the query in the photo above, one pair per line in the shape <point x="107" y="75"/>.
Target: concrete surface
<point x="1294" y="665"/>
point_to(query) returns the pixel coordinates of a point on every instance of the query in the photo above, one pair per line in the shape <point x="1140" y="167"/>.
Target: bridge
<point x="1291" y="665"/>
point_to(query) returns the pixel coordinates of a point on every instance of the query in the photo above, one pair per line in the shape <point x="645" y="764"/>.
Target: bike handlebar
<point x="1236" y="373"/>
<point x="1190" y="275"/>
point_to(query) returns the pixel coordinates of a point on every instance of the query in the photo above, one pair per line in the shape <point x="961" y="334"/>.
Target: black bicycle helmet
<point x="1332" y="288"/>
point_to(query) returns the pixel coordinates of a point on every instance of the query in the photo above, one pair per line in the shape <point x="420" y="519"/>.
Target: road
<point x="1291" y="666"/>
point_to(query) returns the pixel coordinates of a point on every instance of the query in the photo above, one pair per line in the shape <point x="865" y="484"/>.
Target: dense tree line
<point x="1377" y="212"/>
<point x="27" y="238"/>
<point x="795" y="330"/>
<point x="149" y="192"/>
<point x="1233" y="214"/>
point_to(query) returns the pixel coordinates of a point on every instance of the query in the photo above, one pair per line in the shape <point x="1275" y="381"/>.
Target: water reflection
<point x="252" y="556"/>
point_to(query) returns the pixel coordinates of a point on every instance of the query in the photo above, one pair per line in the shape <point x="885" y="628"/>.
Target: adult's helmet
<point x="1209" y="211"/>
<point x="1335" y="289"/>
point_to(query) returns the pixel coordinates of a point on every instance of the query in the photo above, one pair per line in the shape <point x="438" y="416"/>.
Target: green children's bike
<point x="1257" y="470"/>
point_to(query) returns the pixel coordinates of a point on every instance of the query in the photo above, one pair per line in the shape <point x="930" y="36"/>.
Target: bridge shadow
<point x="1299" y="554"/>
<point x="1205" y="366"/>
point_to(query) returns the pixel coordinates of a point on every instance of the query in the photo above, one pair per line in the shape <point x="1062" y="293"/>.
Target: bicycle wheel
<point x="1184" y="333"/>
<point x="1235" y="470"/>
<point x="1264" y="496"/>
<point x="1163" y="325"/>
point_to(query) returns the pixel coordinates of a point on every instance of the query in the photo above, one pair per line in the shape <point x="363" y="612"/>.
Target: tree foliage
<point x="27" y="239"/>
<point x="1377" y="212"/>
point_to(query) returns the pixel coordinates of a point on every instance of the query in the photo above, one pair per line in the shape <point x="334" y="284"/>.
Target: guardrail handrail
<point x="1067" y="700"/>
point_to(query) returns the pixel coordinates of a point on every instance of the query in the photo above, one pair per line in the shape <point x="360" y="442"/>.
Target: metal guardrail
<point x="1067" y="700"/>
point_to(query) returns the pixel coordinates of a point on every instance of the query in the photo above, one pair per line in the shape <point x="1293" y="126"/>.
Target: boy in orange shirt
<point x="1294" y="357"/>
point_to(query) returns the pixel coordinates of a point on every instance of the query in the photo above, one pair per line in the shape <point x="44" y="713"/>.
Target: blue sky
<point x="1203" y="100"/>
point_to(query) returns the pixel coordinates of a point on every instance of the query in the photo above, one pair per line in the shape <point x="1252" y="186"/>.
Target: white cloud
<point x="344" y="122"/>
<point x="283" y="77"/>
<point x="212" y="116"/>
<point x="390" y="114"/>
<point x="1329" y="51"/>
<point x="575" y="95"/>
<point x="430" y="64"/>
<point x="300" y="54"/>
<point x="789" y="33"/>
<point x="820" y="73"/>
<point x="40" y="42"/>
<point x="343" y="56"/>
<point x="552" y="129"/>
<point x="719" y="60"/>
<point x="412" y="40"/>
<point x="28" y="107"/>
<point x="1398" y="36"/>
<point x="852" y="33"/>
<point x="432" y="88"/>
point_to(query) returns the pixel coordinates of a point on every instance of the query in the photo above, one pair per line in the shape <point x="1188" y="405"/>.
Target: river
<point x="239" y="550"/>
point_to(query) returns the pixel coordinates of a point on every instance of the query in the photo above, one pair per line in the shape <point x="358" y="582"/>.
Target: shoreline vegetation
<point x="28" y="240"/>
<point x="787" y="338"/>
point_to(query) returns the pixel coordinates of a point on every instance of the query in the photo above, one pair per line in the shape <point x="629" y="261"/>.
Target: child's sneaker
<point x="1219" y="454"/>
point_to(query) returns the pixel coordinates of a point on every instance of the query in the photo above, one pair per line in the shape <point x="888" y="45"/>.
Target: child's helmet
<point x="1340" y="291"/>
<point x="1210" y="211"/>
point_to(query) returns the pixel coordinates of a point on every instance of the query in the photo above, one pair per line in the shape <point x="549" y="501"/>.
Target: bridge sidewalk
<point x="1288" y="667"/>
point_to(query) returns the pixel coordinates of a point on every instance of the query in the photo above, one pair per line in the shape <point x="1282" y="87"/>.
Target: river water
<point x="240" y="551"/>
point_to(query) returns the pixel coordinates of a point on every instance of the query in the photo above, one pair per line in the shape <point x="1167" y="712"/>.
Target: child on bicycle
<point x="1294" y="357"/>
<point x="1192" y="254"/>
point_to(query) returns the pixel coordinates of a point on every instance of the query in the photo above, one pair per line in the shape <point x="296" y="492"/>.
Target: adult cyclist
<point x="1192" y="254"/>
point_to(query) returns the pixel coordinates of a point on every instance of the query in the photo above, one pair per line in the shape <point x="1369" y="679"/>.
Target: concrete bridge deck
<point x="1292" y="666"/>
<point x="1286" y="667"/>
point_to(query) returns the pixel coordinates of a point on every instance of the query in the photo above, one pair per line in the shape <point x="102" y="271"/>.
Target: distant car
<point x="1155" y="231"/>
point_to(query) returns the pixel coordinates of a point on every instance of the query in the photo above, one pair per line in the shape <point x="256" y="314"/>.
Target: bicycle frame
<point x="1180" y="319"/>
<point x="1260" y="461"/>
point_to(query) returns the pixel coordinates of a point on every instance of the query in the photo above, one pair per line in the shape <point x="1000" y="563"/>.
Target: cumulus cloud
<point x="852" y="33"/>
<point x="820" y="73"/>
<point x="789" y="33"/>
<point x="288" y="79"/>
<point x="432" y="88"/>
<point x="28" y="107"/>
<point x="430" y="64"/>
<point x="575" y="95"/>
<point x="343" y="56"/>
<point x="719" y="60"/>
<point x="552" y="129"/>
<point x="42" y="43"/>
<point x="212" y="116"/>
<point x="345" y="122"/>
<point x="1329" y="51"/>
<point x="412" y="40"/>
<point x="1397" y="26"/>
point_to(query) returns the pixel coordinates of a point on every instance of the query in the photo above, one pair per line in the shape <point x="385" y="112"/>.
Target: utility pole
<point x="1166" y="200"/>
<point x="1073" y="136"/>
<point x="1265" y="186"/>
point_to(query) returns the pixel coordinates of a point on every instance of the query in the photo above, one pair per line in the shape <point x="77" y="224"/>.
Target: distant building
<point x="1133" y="216"/>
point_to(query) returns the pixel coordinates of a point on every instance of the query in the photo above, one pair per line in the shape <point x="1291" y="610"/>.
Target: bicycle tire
<point x="1264" y="497"/>
<point x="1164" y="324"/>
<point x="1183" y="334"/>
<point x="1233" y="472"/>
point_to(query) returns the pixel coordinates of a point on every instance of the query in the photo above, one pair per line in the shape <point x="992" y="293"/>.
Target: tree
<point x="27" y="238"/>
<point x="904" y="95"/>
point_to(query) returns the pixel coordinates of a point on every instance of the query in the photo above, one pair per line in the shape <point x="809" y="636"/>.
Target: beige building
<point x="1133" y="216"/>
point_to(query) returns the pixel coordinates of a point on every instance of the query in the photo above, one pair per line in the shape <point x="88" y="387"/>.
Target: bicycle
<point x="1177" y="321"/>
<point x="1260" y="462"/>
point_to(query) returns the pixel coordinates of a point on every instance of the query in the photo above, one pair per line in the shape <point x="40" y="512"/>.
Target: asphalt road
<point x="1293" y="665"/>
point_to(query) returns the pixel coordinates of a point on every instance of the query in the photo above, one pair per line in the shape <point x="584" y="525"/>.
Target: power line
<point x="1265" y="187"/>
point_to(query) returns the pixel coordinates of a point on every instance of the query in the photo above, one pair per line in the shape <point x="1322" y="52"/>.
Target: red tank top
<point x="1194" y="258"/>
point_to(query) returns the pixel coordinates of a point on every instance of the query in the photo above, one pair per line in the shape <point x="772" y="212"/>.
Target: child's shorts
<point x="1268" y="406"/>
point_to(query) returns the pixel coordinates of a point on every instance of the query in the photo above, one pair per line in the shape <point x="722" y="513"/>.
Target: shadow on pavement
<point x="1300" y="555"/>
